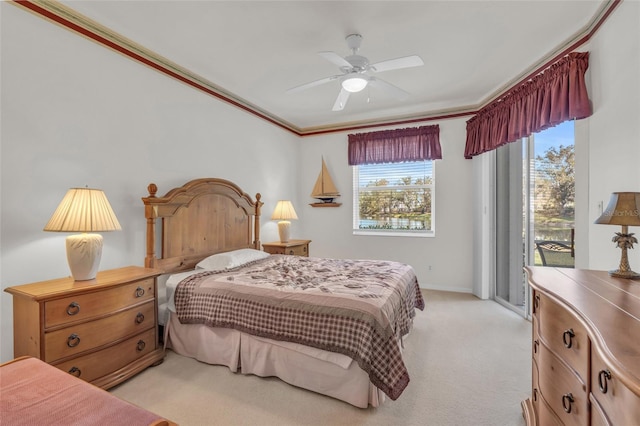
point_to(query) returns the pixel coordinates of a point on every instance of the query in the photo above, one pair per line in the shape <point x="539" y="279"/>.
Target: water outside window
<point x="394" y="198"/>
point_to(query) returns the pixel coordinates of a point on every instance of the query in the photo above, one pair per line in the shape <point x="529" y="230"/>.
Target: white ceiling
<point x="256" y="50"/>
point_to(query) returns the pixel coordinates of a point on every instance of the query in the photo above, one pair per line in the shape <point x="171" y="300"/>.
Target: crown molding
<point x="68" y="18"/>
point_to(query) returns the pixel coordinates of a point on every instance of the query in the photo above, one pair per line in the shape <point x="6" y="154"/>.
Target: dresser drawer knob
<point x="139" y="292"/>
<point x="567" y="338"/>
<point x="73" y="308"/>
<point x="603" y="377"/>
<point x="536" y="301"/>
<point x="75" y="371"/>
<point x="567" y="400"/>
<point x="73" y="340"/>
<point x="139" y="318"/>
<point x="535" y="346"/>
<point x="535" y="395"/>
<point x="141" y="345"/>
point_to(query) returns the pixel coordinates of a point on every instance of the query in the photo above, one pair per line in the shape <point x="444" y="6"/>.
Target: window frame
<point x="390" y="232"/>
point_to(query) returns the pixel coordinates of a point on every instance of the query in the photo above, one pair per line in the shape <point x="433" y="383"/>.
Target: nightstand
<point x="103" y="330"/>
<point x="293" y="247"/>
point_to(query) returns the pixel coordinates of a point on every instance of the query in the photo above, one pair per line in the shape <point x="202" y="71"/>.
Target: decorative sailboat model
<point x="324" y="189"/>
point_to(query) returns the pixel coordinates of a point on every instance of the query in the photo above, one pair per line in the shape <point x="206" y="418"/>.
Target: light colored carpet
<point x="469" y="362"/>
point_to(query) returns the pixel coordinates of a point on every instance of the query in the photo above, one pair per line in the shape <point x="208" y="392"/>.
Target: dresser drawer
<point x="545" y="415"/>
<point x="598" y="418"/>
<point x="89" y="335"/>
<point x="535" y="344"/>
<point x="536" y="303"/>
<point x="562" y="389"/>
<point x="535" y="391"/>
<point x="619" y="404"/>
<point x="564" y="335"/>
<point x="89" y="305"/>
<point x="97" y="364"/>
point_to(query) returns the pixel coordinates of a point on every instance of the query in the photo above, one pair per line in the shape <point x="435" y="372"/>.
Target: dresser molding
<point x="607" y="309"/>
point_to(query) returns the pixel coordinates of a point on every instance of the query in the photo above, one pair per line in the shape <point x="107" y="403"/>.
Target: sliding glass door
<point x="535" y="191"/>
<point x="511" y="247"/>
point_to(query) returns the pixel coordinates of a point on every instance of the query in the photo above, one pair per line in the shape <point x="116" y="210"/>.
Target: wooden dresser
<point x="103" y="330"/>
<point x="292" y="247"/>
<point x="585" y="349"/>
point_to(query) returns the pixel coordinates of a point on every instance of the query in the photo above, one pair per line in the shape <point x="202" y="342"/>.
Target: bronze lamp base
<point x="630" y="275"/>
<point x="625" y="241"/>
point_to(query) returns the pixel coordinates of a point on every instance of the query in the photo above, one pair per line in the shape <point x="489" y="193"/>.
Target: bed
<point x="33" y="392"/>
<point x="332" y="326"/>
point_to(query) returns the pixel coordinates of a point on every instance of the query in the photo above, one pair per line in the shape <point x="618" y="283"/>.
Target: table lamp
<point x="624" y="210"/>
<point x="284" y="212"/>
<point x="83" y="210"/>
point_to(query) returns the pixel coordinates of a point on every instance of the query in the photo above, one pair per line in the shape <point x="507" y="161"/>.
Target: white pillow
<point x="231" y="259"/>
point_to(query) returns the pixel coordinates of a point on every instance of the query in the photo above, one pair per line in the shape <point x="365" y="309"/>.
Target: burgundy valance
<point x="395" y="146"/>
<point x="556" y="95"/>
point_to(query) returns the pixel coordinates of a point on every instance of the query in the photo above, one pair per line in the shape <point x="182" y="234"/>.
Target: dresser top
<point x="609" y="307"/>
<point x="64" y="286"/>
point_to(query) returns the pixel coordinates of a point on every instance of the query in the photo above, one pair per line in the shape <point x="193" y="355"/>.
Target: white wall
<point x="75" y="113"/>
<point x="613" y="129"/>
<point x="449" y="253"/>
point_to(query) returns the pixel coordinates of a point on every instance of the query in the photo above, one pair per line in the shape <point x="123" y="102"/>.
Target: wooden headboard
<point x="201" y="218"/>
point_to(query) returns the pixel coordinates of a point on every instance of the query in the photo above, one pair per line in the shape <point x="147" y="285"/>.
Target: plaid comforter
<point x="360" y="308"/>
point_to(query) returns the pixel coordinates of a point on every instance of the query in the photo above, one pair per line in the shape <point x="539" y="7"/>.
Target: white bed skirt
<point x="328" y="373"/>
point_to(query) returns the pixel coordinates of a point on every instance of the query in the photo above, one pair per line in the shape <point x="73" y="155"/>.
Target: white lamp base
<point x="284" y="230"/>
<point x="83" y="254"/>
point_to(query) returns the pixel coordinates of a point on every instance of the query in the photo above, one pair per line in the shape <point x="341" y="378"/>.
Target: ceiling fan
<point x="356" y="71"/>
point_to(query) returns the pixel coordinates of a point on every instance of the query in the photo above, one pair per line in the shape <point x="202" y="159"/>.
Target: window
<point x="394" y="199"/>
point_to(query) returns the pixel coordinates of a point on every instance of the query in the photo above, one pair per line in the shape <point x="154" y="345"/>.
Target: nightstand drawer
<point x="88" y="305"/>
<point x="98" y="364"/>
<point x="89" y="335"/>
<point x="291" y="248"/>
<point x="297" y="250"/>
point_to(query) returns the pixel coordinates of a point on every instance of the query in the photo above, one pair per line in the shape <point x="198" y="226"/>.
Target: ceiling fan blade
<point x="334" y="58"/>
<point x="388" y="87"/>
<point x="341" y="100"/>
<point x="312" y="84"/>
<point x="398" y="63"/>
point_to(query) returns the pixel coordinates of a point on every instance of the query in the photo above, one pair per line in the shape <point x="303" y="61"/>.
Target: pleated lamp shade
<point x="83" y="210"/>
<point x="284" y="212"/>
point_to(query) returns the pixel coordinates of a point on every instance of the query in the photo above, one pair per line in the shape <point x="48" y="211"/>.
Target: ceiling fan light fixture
<point x="354" y="84"/>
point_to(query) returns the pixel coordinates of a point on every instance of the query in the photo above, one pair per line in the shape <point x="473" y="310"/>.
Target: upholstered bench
<point x="33" y="392"/>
